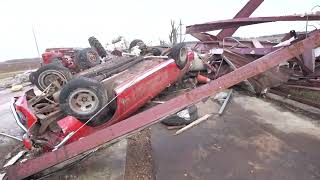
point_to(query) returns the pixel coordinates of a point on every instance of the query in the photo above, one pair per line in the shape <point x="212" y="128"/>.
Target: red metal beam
<point x="154" y="115"/>
<point x="246" y="11"/>
<point x="254" y="51"/>
<point x="204" y="37"/>
<point x="235" y="23"/>
<point x="207" y="45"/>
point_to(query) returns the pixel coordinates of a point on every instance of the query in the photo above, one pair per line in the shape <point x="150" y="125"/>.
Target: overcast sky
<point x="69" y="23"/>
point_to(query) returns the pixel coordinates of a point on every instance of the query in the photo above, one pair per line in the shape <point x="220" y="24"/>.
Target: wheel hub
<point x="83" y="101"/>
<point x="51" y="76"/>
<point x="91" y="56"/>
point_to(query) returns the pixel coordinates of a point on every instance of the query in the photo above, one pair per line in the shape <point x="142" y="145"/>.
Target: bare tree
<point x="173" y="36"/>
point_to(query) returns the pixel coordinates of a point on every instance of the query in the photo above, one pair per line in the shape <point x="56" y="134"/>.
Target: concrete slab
<point x="254" y="139"/>
<point x="105" y="164"/>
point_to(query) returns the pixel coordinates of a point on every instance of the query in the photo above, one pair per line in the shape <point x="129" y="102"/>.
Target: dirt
<point x="18" y="65"/>
<point x="139" y="163"/>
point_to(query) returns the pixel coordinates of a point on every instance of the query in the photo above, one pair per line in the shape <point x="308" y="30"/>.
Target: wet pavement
<point x="8" y="126"/>
<point x="105" y="164"/>
<point x="254" y="139"/>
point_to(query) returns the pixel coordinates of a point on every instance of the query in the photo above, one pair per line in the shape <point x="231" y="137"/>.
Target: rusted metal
<point x="155" y="114"/>
<point x="237" y="22"/>
<point x="256" y="43"/>
<point x="257" y="84"/>
<point x="255" y="51"/>
<point x="309" y="59"/>
<point x="205" y="46"/>
<point x="205" y="37"/>
<point x="246" y="11"/>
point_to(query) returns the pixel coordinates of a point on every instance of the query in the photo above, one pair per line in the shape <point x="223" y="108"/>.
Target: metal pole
<point x="35" y="40"/>
<point x="13" y="137"/>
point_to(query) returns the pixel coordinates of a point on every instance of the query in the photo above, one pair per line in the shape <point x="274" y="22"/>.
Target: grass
<point x="307" y="94"/>
<point x="9" y="74"/>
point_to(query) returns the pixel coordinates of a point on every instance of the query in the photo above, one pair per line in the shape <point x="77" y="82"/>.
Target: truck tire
<point x="94" y="43"/>
<point x="87" y="58"/>
<point x="82" y="98"/>
<point x="134" y="43"/>
<point x="179" y="54"/>
<point x="32" y="78"/>
<point x="156" y="51"/>
<point x="49" y="73"/>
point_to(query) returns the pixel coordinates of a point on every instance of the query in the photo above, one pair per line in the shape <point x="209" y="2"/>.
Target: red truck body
<point x="131" y="94"/>
<point x="64" y="55"/>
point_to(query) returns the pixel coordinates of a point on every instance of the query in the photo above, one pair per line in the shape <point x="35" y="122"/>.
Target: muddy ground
<point x="254" y="139"/>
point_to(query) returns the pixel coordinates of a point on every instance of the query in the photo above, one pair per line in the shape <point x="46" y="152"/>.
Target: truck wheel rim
<point x="92" y="57"/>
<point x="48" y="77"/>
<point x="83" y="101"/>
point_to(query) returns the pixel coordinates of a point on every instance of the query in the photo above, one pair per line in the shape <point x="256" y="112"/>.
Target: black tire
<point x="94" y="43"/>
<point x="156" y="51"/>
<point x="134" y="43"/>
<point x="176" y="120"/>
<point x="32" y="78"/>
<point x="48" y="73"/>
<point x="75" y="88"/>
<point x="179" y="54"/>
<point x="87" y="58"/>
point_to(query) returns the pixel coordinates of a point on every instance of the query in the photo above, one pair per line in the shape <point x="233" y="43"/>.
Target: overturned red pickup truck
<point x="96" y="98"/>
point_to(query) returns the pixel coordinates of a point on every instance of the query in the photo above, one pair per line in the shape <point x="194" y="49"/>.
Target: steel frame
<point x="237" y="22"/>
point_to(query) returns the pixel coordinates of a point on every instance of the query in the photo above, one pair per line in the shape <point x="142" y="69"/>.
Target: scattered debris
<point x="175" y="127"/>
<point x="183" y="117"/>
<point x="194" y="123"/>
<point x="16" y="82"/>
<point x="2" y="176"/>
<point x="15" y="158"/>
<point x="221" y="110"/>
<point x="16" y="88"/>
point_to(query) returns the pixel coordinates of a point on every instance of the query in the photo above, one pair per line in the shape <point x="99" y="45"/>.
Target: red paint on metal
<point x="208" y="45"/>
<point x="254" y="51"/>
<point x="22" y="106"/>
<point x="204" y="37"/>
<point x="154" y="114"/>
<point x="132" y="96"/>
<point x="234" y="23"/>
<point x="246" y="11"/>
<point x="27" y="143"/>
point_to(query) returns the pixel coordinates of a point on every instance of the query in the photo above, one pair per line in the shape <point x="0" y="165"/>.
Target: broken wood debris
<point x="194" y="123"/>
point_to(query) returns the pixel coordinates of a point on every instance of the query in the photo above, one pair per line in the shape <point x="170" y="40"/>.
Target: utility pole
<point x="35" y="40"/>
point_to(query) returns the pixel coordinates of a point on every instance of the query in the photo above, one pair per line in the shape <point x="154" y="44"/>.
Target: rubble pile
<point x="297" y="78"/>
<point x="21" y="79"/>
